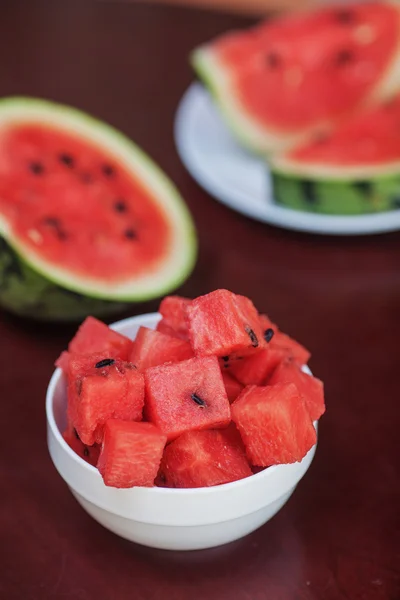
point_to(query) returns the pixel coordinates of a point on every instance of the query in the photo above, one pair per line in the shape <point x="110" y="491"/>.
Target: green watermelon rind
<point x="262" y="139"/>
<point x="180" y="262"/>
<point x="337" y="196"/>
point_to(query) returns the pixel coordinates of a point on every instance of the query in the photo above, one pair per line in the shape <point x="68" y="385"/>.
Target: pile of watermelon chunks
<point x="212" y="395"/>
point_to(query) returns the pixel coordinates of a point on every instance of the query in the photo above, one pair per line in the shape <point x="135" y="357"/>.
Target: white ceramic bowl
<point x="172" y="519"/>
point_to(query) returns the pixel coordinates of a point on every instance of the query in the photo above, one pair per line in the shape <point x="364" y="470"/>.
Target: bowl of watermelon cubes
<point x="184" y="429"/>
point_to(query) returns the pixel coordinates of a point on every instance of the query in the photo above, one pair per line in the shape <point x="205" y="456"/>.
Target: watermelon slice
<point x="274" y="424"/>
<point x="89" y="454"/>
<point x="186" y="396"/>
<point x="224" y="324"/>
<point x="101" y="388"/>
<point x="284" y="80"/>
<point x="95" y="336"/>
<point x="131" y="453"/>
<point x="203" y="458"/>
<point x="87" y="221"/>
<point x="174" y="319"/>
<point x="154" y="348"/>
<point x="354" y="170"/>
<point x="311" y="389"/>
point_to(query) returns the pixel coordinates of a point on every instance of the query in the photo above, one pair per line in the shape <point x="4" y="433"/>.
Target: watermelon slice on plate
<point x="88" y="223"/>
<point x="286" y="79"/>
<point x="353" y="170"/>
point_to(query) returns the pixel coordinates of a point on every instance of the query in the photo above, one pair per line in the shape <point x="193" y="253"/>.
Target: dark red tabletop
<point x="339" y="535"/>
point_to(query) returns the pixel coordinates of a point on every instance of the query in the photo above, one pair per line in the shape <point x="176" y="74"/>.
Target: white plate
<point x="241" y="181"/>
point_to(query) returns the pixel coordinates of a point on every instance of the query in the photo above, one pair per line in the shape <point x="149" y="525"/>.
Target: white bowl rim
<point x="58" y="374"/>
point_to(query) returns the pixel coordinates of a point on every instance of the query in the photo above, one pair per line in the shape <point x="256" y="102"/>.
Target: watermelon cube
<point x="224" y="324"/>
<point x="131" y="453"/>
<point x="95" y="336"/>
<point x="174" y="317"/>
<point x="100" y="388"/>
<point x="153" y="348"/>
<point x="255" y="369"/>
<point x="232" y="386"/>
<point x="311" y="389"/>
<point x="203" y="458"/>
<point x="274" y="424"/>
<point x="278" y="339"/>
<point x="186" y="396"/>
<point x="90" y="454"/>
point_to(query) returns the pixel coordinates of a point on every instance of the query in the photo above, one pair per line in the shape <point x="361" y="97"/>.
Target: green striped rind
<point x="337" y="197"/>
<point x="25" y="292"/>
<point x="106" y="298"/>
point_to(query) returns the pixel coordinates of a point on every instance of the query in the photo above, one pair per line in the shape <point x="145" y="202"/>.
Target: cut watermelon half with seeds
<point x="186" y="396"/>
<point x="287" y="79"/>
<point x="153" y="348"/>
<point x="274" y="424"/>
<point x="100" y="388"/>
<point x="202" y="459"/>
<point x="131" y="453"/>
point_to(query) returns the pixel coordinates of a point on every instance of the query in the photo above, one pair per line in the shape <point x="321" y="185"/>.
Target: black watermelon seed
<point x="86" y="451"/>
<point x="343" y="57"/>
<point x="76" y="434"/>
<point x="273" y="60"/>
<point x="108" y="170"/>
<point x="120" y="206"/>
<point x="198" y="400"/>
<point x="106" y="362"/>
<point x="268" y="335"/>
<point x="252" y="336"/>
<point x="79" y="386"/>
<point x="67" y="160"/>
<point x="37" y="168"/>
<point x="309" y="192"/>
<point x="55" y="224"/>
<point x="364" y="187"/>
<point x="226" y="366"/>
<point x="225" y="358"/>
<point x="86" y="178"/>
<point x="345" y="16"/>
<point x="130" y="234"/>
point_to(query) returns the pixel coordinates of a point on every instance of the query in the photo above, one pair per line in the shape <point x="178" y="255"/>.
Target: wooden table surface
<point x="338" y="537"/>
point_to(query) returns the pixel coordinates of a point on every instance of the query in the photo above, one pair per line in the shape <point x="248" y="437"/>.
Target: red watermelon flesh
<point x="75" y="206"/>
<point x="274" y="424"/>
<point x="278" y="339"/>
<point x="131" y="453"/>
<point x="95" y="336"/>
<point x="370" y="138"/>
<point x="232" y="386"/>
<point x="255" y="369"/>
<point x="224" y="324"/>
<point x="153" y="348"/>
<point x="311" y="389"/>
<point x="174" y="317"/>
<point x="186" y="396"/>
<point x="293" y="73"/>
<point x="90" y="454"/>
<point x="101" y="388"/>
<point x="202" y="459"/>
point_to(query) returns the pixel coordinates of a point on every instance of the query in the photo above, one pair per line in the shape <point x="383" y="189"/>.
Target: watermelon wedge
<point x="88" y="222"/>
<point x="284" y="80"/>
<point x="354" y="170"/>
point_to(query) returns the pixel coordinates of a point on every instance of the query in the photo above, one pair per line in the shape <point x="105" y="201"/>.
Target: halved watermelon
<point x="286" y="79"/>
<point x="355" y="169"/>
<point x="87" y="221"/>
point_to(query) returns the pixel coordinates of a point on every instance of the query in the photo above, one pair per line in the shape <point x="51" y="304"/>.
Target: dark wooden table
<point x="338" y="537"/>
